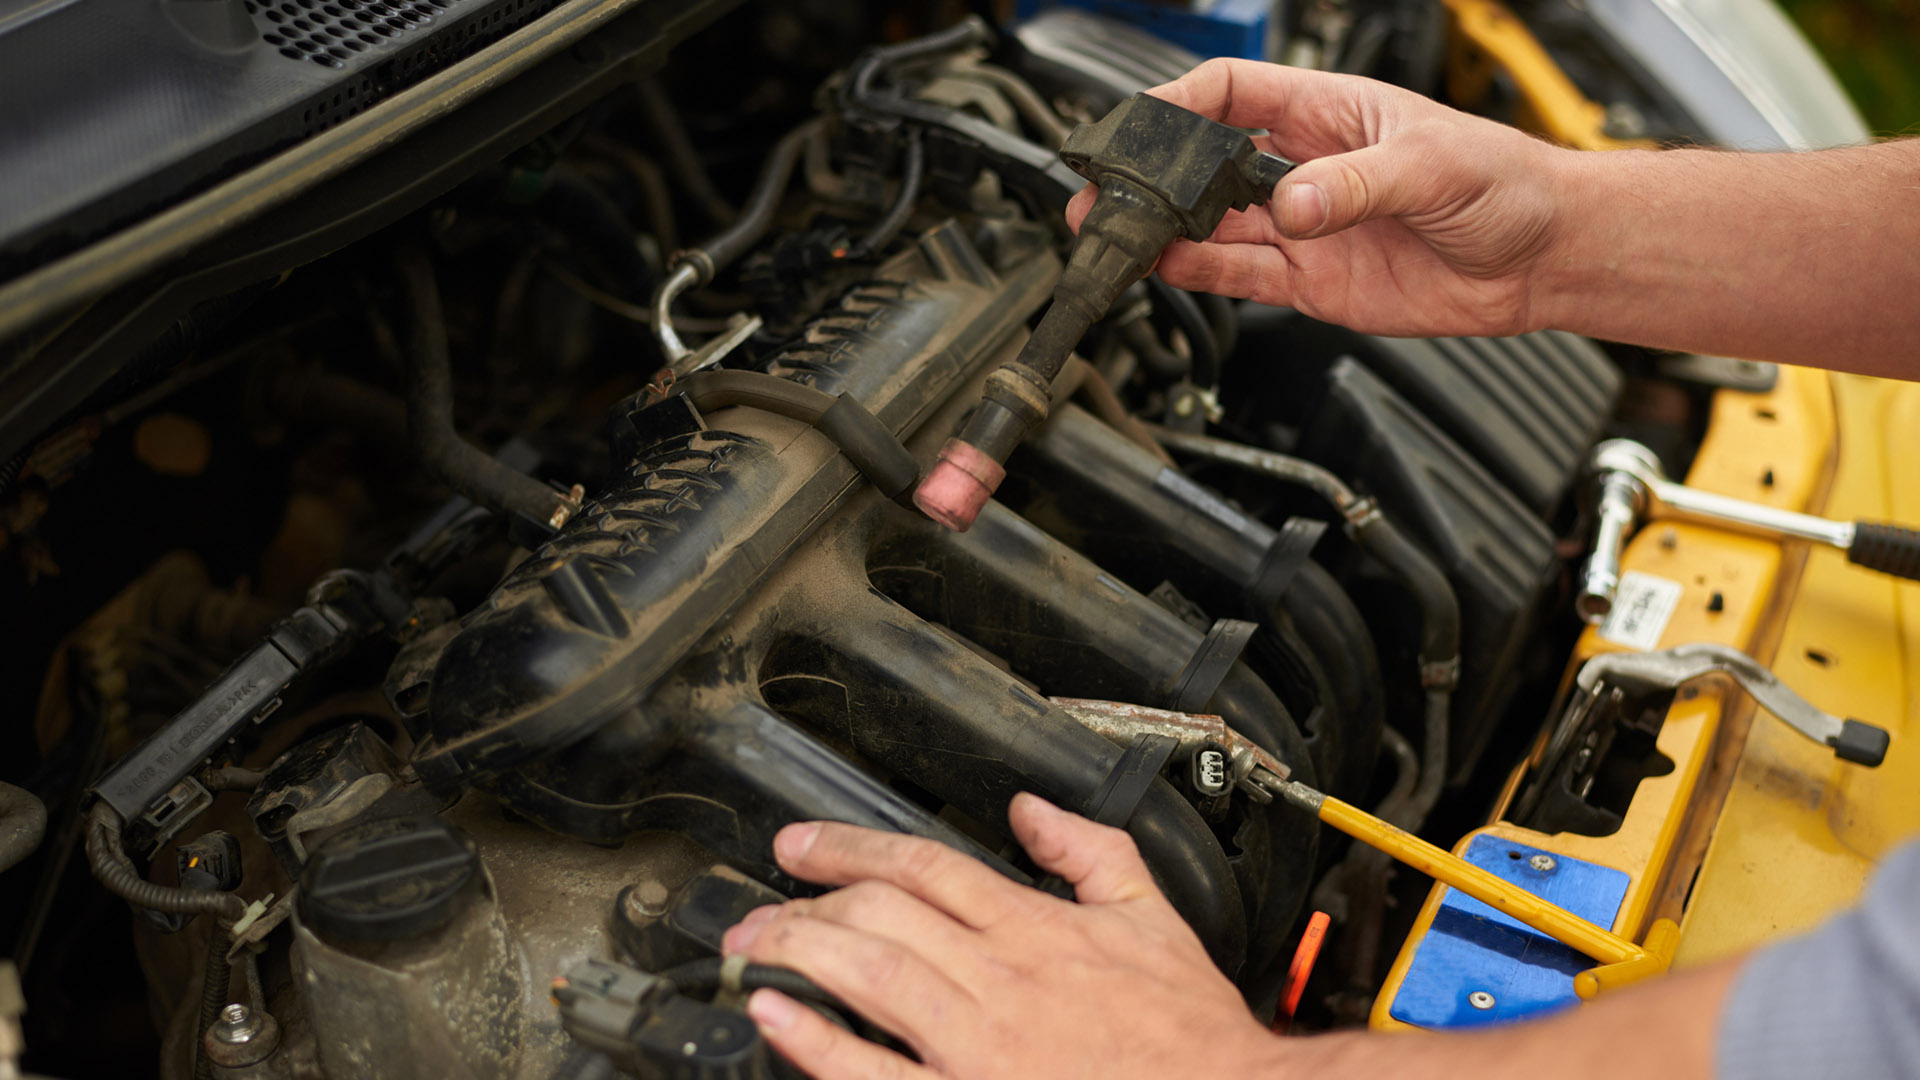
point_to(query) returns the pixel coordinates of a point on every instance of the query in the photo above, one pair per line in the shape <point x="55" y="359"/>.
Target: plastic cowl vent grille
<point x="329" y="33"/>
<point x="335" y="33"/>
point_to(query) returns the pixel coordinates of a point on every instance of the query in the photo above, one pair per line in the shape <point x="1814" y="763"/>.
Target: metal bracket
<point x="1638" y="674"/>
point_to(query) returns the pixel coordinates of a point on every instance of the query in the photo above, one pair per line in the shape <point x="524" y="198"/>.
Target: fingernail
<point x="738" y="938"/>
<point x="1037" y="805"/>
<point x="771" y="1010"/>
<point x="794" y="841"/>
<point x="1306" y="208"/>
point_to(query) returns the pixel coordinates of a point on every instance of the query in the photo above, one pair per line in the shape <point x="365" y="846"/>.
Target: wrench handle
<point x="1890" y="549"/>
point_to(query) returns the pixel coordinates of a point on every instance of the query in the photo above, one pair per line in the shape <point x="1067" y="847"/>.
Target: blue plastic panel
<point x="1471" y="947"/>
<point x="1220" y="28"/>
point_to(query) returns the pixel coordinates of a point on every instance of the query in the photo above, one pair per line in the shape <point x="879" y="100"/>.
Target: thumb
<point x="1102" y="864"/>
<point x="1339" y="191"/>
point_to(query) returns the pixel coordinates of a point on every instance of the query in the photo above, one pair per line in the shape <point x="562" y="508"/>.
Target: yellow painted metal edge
<point x="1799" y="832"/>
<point x="1556" y="107"/>
<point x="1775" y="448"/>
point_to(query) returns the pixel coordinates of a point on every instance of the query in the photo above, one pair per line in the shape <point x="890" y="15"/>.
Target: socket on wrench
<point x="1630" y="488"/>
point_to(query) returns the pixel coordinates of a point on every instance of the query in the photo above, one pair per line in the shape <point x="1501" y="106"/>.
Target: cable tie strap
<point x="1119" y="795"/>
<point x="1285" y="556"/>
<point x="1201" y="678"/>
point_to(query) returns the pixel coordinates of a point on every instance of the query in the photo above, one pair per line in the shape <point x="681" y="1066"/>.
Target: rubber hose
<point x="1223" y="314"/>
<point x="1160" y="363"/>
<point x="1439" y="651"/>
<point x="23" y="824"/>
<point x="757" y="215"/>
<point x="680" y="153"/>
<point x="1376" y="534"/>
<point x="1028" y="101"/>
<point x="889" y="225"/>
<point x="588" y="216"/>
<point x="860" y="435"/>
<point x="458" y="463"/>
<point x="1184" y="310"/>
<point x="115" y="871"/>
<point x="968" y="31"/>
<point x="696" y="267"/>
<point x="697" y="976"/>
<point x="1337" y="639"/>
<point x="1421" y="577"/>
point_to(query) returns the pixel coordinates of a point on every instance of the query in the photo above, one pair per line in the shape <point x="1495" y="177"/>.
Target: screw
<point x="237" y="1025"/>
<point x="1542" y="863"/>
<point x="1481" y="1000"/>
<point x="1670" y="538"/>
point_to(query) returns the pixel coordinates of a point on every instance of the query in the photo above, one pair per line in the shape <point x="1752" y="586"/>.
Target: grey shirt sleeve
<point x="1843" y="1000"/>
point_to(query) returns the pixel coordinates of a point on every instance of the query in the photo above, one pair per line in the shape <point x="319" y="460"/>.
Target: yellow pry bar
<point x="1621" y="961"/>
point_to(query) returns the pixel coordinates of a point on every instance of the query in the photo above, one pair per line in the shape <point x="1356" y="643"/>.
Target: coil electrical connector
<point x="1163" y="173"/>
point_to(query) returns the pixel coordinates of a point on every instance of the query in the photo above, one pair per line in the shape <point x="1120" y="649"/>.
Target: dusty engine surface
<point x="563" y="618"/>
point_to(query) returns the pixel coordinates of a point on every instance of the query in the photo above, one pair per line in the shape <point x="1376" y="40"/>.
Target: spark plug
<point x="1163" y="173"/>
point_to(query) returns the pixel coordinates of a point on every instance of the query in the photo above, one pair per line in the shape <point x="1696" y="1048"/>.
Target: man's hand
<point x="985" y="978"/>
<point x="991" y="980"/>
<point x="1405" y="217"/>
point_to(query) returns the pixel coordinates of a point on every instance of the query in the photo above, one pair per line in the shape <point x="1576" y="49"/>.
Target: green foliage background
<point x="1873" y="47"/>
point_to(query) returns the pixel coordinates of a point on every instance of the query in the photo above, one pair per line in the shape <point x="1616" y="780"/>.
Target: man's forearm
<point x="1802" y="258"/>
<point x="1662" y="1028"/>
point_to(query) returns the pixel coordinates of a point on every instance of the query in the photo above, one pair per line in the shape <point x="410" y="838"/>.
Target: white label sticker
<point x="1641" y="607"/>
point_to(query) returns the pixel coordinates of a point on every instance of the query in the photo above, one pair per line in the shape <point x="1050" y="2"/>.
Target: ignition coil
<point x="1163" y="173"/>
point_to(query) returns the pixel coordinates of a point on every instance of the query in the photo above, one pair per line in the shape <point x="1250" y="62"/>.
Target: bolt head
<point x="1481" y="1000"/>
<point x="1542" y="863"/>
<point x="647" y="900"/>
<point x="236" y="1026"/>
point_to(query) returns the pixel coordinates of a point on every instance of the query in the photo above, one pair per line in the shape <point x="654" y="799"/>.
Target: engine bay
<point x="468" y="607"/>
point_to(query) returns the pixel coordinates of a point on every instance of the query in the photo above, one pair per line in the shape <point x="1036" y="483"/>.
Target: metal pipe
<point x="685" y="275"/>
<point x="697" y="266"/>
<point x="1293" y="470"/>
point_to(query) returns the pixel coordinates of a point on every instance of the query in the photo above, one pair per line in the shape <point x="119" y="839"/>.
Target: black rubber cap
<point x="389" y="880"/>
<point x="1890" y="549"/>
<point x="1861" y="743"/>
